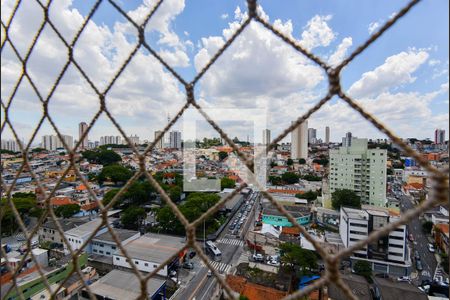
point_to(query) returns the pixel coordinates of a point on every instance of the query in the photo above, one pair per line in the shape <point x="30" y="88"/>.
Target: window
<point x="155" y="266"/>
<point x="100" y="251"/>
<point x="101" y="245"/>
<point x="108" y="253"/>
<point x="358" y="225"/>
<point x="395" y="246"/>
<point x="357" y="232"/>
<point x="95" y="250"/>
<point x="146" y="264"/>
<point x="396" y="238"/>
<point x="136" y="262"/>
<point x="395" y="254"/>
<point x="113" y="247"/>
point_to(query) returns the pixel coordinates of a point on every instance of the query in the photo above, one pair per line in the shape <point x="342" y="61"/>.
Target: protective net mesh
<point x="439" y="194"/>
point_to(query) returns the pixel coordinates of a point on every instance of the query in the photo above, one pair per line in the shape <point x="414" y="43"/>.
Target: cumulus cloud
<point x="396" y="71"/>
<point x="317" y="33"/>
<point x="340" y="52"/>
<point x="373" y="27"/>
<point x="224" y="16"/>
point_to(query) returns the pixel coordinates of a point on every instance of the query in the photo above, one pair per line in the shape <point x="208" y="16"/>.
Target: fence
<point x="439" y="194"/>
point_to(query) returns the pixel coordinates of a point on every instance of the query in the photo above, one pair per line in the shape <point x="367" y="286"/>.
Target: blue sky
<point x="402" y="77"/>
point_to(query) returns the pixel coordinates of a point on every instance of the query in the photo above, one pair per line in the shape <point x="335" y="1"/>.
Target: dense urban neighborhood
<point x="339" y="192"/>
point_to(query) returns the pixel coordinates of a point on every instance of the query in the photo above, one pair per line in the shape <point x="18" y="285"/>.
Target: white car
<point x="258" y="257"/>
<point x="273" y="263"/>
<point x="431" y="248"/>
<point x="404" y="279"/>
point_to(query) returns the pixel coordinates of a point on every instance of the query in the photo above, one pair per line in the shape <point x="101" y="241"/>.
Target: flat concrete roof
<point x="122" y="234"/>
<point x="123" y="285"/>
<point x="354" y="213"/>
<point x="295" y="211"/>
<point x="154" y="247"/>
<point x="87" y="228"/>
<point x="358" y="285"/>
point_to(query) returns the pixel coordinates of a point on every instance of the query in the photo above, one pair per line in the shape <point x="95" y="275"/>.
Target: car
<point x="239" y="226"/>
<point x="404" y="279"/>
<point x="188" y="265"/>
<point x="411" y="238"/>
<point x="376" y="295"/>
<point x="431" y="248"/>
<point x="419" y="266"/>
<point x="231" y="227"/>
<point x="416" y="255"/>
<point x="209" y="274"/>
<point x="258" y="257"/>
<point x="273" y="263"/>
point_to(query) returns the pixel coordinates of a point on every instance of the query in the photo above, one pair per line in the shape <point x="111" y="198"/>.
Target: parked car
<point x="209" y="274"/>
<point x="419" y="266"/>
<point x="376" y="295"/>
<point x="273" y="263"/>
<point x="231" y="227"/>
<point x="404" y="279"/>
<point x="188" y="265"/>
<point x="431" y="248"/>
<point x="258" y="257"/>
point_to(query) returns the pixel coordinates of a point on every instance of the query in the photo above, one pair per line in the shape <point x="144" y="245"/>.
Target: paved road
<point x="200" y="286"/>
<point x="420" y="244"/>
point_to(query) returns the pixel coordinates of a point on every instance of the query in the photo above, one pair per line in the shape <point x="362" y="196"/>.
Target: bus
<point x="213" y="250"/>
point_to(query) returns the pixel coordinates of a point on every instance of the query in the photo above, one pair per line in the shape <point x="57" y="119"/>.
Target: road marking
<point x="220" y="266"/>
<point x="234" y="242"/>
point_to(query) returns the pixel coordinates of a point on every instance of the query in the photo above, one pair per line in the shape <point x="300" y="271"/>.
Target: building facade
<point x="266" y="137"/>
<point x="312" y="135"/>
<point x="327" y="135"/>
<point x="175" y="140"/>
<point x="439" y="136"/>
<point x="53" y="142"/>
<point x="10" y="145"/>
<point x="299" y="141"/>
<point x="361" y="170"/>
<point x="110" y="140"/>
<point x="388" y="254"/>
<point x="159" y="143"/>
<point x="82" y="128"/>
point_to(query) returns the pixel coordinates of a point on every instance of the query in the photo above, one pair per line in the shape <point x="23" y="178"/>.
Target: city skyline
<point x="400" y="70"/>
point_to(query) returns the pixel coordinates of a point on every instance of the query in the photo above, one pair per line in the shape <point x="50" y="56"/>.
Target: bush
<point x="345" y="197"/>
<point x="227" y="183"/>
<point x="363" y="268"/>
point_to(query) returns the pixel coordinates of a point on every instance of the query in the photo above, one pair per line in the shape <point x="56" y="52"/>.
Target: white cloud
<point x="396" y="71"/>
<point x="175" y="58"/>
<point x="340" y="52"/>
<point x="317" y="33"/>
<point x="434" y="62"/>
<point x="373" y="27"/>
<point x="224" y="16"/>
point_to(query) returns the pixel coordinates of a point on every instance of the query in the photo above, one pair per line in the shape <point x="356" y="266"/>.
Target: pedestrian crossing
<point x="220" y="266"/>
<point x="234" y="242"/>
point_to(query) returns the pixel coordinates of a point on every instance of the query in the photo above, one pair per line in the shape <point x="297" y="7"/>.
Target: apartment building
<point x="389" y="254"/>
<point x="360" y="169"/>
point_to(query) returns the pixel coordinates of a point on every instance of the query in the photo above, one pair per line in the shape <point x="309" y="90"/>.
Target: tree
<point x="289" y="162"/>
<point x="363" y="268"/>
<point x="310" y="177"/>
<point x="345" y="197"/>
<point x="227" y="183"/>
<point x="309" y="195"/>
<point x="275" y="180"/>
<point x="290" y="178"/>
<point x="115" y="173"/>
<point x="297" y="258"/>
<point x="175" y="193"/>
<point x="26" y="206"/>
<point x="302" y="161"/>
<point x="322" y="160"/>
<point x="132" y="217"/>
<point x="109" y="196"/>
<point x="223" y="155"/>
<point x="4" y="151"/>
<point x="108" y="157"/>
<point x="427" y="227"/>
<point x="66" y="211"/>
<point x="38" y="150"/>
<point x="389" y="171"/>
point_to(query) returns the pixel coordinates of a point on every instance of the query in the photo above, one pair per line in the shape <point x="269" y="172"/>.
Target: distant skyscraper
<point x="439" y="136"/>
<point x="10" y="145"/>
<point x="160" y="143"/>
<point x="134" y="139"/>
<point x="52" y="142"/>
<point x="327" y="135"/>
<point x="266" y="137"/>
<point x="82" y="128"/>
<point x="299" y="141"/>
<point x="347" y="140"/>
<point x="175" y="140"/>
<point x="110" y="140"/>
<point x="312" y="135"/>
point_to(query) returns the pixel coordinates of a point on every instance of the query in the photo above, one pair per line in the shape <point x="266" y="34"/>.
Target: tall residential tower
<point x="299" y="141"/>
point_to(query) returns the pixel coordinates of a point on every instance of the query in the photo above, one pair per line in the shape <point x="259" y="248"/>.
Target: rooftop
<point x="123" y="285"/>
<point x="86" y="228"/>
<point x="354" y="213"/>
<point x="295" y="211"/>
<point x="122" y="235"/>
<point x="398" y="290"/>
<point x="358" y="285"/>
<point x="65" y="224"/>
<point x="154" y="247"/>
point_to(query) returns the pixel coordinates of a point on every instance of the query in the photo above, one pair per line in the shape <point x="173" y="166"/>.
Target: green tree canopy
<point x="227" y="183"/>
<point x="363" y="268"/>
<point x="102" y="156"/>
<point x="132" y="217"/>
<point x="289" y="162"/>
<point x="310" y="177"/>
<point x="302" y="161"/>
<point x="223" y="155"/>
<point x="345" y="197"/>
<point x="309" y="195"/>
<point x="297" y="258"/>
<point x="290" y="178"/>
<point x="109" y="196"/>
<point x="275" y="180"/>
<point x="25" y="206"/>
<point x="115" y="173"/>
<point x="427" y="227"/>
<point x="66" y="211"/>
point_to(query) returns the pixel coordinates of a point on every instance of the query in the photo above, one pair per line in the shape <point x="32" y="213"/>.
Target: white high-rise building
<point x="110" y="140"/>
<point x="52" y="142"/>
<point x="388" y="254"/>
<point x="266" y="137"/>
<point x="361" y="170"/>
<point x="10" y="145"/>
<point x="327" y="135"/>
<point x="160" y="143"/>
<point x="347" y="140"/>
<point x="175" y="140"/>
<point x="134" y="139"/>
<point x="312" y="135"/>
<point x="299" y="141"/>
<point x="82" y="128"/>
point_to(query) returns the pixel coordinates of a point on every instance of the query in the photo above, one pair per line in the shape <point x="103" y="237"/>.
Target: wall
<point x="121" y="261"/>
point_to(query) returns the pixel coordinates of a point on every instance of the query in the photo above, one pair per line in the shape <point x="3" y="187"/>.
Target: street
<point x="202" y="287"/>
<point x="420" y="242"/>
